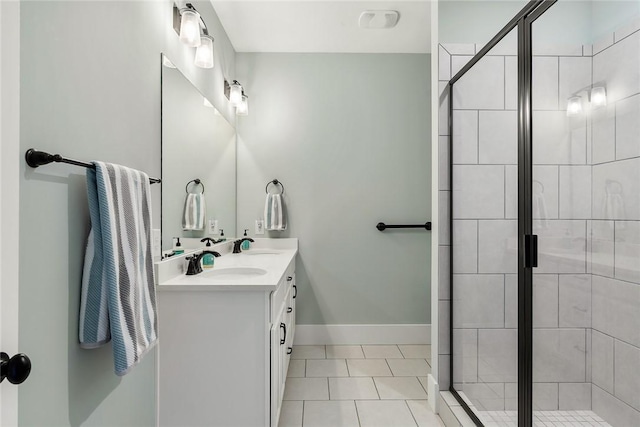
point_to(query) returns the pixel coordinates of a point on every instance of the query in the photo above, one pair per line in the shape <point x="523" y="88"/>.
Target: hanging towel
<point x="539" y="205"/>
<point x="194" y="212"/>
<point x="118" y="301"/>
<point x="275" y="214"/>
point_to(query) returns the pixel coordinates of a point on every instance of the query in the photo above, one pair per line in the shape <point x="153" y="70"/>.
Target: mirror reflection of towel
<point x="539" y="205"/>
<point x="194" y="212"/>
<point x="613" y="207"/>
<point x="275" y="215"/>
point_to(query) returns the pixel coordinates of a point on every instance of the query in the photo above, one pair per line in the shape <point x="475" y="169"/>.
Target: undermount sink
<point x="235" y="273"/>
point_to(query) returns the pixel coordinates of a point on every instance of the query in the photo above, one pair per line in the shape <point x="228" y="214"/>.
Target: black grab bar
<point x="381" y="226"/>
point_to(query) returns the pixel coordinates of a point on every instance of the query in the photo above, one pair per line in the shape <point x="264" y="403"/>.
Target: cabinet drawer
<point x="279" y="296"/>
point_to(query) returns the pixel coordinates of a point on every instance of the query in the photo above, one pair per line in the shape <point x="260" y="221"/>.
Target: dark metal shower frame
<point x="527" y="241"/>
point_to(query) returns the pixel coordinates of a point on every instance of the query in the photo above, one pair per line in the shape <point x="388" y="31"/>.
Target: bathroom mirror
<point x="197" y="143"/>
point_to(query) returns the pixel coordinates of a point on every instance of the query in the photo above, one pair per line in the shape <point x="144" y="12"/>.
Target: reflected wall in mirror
<point x="197" y="143"/>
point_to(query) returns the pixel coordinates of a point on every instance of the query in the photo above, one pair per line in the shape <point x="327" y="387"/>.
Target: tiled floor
<point x="544" y="419"/>
<point x="361" y="386"/>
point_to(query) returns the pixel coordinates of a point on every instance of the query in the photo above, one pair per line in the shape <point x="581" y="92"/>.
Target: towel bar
<point x="37" y="158"/>
<point x="381" y="226"/>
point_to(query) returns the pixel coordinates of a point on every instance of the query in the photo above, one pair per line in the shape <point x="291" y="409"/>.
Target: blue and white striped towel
<point x="118" y="301"/>
<point x="194" y="212"/>
<point x="275" y="214"/>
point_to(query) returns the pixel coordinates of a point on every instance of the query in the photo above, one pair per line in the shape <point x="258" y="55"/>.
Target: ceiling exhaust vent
<point x="378" y="19"/>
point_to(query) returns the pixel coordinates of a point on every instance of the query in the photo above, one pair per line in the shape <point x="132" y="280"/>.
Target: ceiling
<point x="323" y="26"/>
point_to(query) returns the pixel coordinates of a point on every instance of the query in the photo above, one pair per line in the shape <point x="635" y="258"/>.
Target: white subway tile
<point x="545" y="83"/>
<point x="444" y="275"/>
<point x="556" y="49"/>
<point x="465" y="137"/>
<point x="510" y="300"/>
<point x="465" y="359"/>
<point x="627" y="373"/>
<point x="545" y="192"/>
<point x="478" y="191"/>
<point x="616" y="190"/>
<point x="511" y="83"/>
<point x="574" y="396"/>
<point x="444" y="235"/>
<point x="482" y="87"/>
<point x="628" y="128"/>
<point x="575" y="192"/>
<point x="627" y="29"/>
<point x="443" y="163"/>
<point x="602" y="247"/>
<point x="478" y="301"/>
<point x="545" y="396"/>
<point x="613" y="410"/>
<point x="615" y="309"/>
<point x="489" y="396"/>
<point x="562" y="246"/>
<point x="575" y="74"/>
<point x="558" y="139"/>
<point x="443" y="111"/>
<point x="497" y="355"/>
<point x="498" y="246"/>
<point x="460" y="48"/>
<point x="627" y="251"/>
<point x="444" y="64"/>
<point x="618" y="67"/>
<point x="603" y="136"/>
<point x="465" y="246"/>
<point x="603" y="43"/>
<point x="575" y="301"/>
<point x="559" y="355"/>
<point x="498" y="137"/>
<point x="545" y="300"/>
<point x="443" y="329"/>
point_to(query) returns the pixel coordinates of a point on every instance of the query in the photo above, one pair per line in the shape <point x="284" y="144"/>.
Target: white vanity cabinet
<point x="223" y="350"/>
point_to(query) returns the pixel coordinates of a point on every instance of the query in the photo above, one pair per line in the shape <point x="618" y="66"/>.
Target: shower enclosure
<point x="543" y="150"/>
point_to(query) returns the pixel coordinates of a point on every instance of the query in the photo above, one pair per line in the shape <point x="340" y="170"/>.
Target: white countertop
<point x="272" y="255"/>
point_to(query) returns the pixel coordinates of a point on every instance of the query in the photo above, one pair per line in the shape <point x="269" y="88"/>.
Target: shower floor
<point x="543" y="418"/>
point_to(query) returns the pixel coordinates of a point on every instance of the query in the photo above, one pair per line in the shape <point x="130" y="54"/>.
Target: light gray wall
<point x="349" y="137"/>
<point x="90" y="89"/>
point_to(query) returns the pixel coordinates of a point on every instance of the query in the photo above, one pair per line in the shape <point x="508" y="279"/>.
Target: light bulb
<point x="204" y="53"/>
<point x="235" y="94"/>
<point x="243" y="108"/>
<point x="574" y="106"/>
<point x="598" y="96"/>
<point x="190" y="28"/>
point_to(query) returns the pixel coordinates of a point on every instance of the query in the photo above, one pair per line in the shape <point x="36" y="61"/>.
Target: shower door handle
<point x="530" y="251"/>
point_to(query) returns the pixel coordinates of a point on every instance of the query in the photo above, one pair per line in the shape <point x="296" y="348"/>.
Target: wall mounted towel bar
<point x="381" y="226"/>
<point x="37" y="158"/>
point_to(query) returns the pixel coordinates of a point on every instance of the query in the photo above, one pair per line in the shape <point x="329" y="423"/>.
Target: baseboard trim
<point x="362" y="334"/>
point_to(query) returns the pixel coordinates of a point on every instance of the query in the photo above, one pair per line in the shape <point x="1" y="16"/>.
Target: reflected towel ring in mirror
<point x="274" y="182"/>
<point x="197" y="182"/>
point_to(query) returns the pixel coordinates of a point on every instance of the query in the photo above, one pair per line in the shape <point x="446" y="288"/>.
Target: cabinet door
<point x="276" y="364"/>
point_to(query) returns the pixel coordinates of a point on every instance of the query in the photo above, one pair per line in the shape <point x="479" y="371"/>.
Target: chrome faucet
<point x="238" y="243"/>
<point x="194" y="262"/>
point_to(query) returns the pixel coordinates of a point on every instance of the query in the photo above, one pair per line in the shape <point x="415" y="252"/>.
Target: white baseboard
<point x="362" y="334"/>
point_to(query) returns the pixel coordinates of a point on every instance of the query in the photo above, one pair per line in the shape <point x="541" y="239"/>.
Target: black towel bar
<point x="381" y="226"/>
<point x="37" y="158"/>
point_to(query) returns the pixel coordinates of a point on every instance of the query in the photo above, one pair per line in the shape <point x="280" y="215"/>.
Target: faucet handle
<point x="194" y="265"/>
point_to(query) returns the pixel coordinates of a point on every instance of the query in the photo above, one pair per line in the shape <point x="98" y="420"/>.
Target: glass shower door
<point x="586" y="213"/>
<point x="485" y="231"/>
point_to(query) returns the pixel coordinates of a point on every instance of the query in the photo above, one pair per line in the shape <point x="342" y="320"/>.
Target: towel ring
<point x="197" y="182"/>
<point x="274" y="182"/>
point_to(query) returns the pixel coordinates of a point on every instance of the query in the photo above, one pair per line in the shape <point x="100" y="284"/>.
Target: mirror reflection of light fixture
<point x="243" y="108"/>
<point x="204" y="52"/>
<point x="235" y="94"/>
<point x="190" y="27"/>
<point x="574" y="106"/>
<point x="598" y="96"/>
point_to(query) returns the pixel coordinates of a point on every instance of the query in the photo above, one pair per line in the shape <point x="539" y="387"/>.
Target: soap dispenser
<point x="246" y="243"/>
<point x="178" y="249"/>
<point x="208" y="259"/>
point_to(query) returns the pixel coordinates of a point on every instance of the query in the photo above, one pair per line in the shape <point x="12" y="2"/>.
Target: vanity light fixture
<point x="574" y="106"/>
<point x="235" y="94"/>
<point x="598" y="96"/>
<point x="193" y="32"/>
<point x="243" y="108"/>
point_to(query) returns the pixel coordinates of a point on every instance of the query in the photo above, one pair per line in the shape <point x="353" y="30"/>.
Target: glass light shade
<point x="574" y="106"/>
<point x="235" y="94"/>
<point x="598" y="96"/>
<point x="206" y="102"/>
<point x="190" y="28"/>
<point x="243" y="108"/>
<point x="204" y="53"/>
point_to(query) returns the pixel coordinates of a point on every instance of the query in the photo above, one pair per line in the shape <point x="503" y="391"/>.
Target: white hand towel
<point x="275" y="215"/>
<point x="118" y="301"/>
<point x="194" y="212"/>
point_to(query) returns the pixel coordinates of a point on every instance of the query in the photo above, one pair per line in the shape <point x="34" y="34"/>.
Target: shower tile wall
<point x="587" y="212"/>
